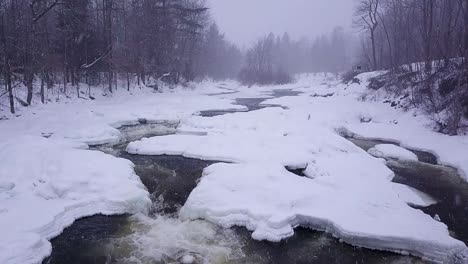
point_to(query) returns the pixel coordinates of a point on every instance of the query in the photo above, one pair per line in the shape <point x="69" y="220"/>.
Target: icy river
<point x="161" y="237"/>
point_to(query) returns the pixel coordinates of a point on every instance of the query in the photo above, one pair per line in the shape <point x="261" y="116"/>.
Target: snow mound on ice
<point x="47" y="184"/>
<point x="390" y="151"/>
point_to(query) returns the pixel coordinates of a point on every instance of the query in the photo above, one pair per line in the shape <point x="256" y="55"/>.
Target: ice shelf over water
<point x="347" y="192"/>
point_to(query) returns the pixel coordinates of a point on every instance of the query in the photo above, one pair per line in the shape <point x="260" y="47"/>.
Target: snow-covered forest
<point x="61" y="46"/>
<point x="213" y="131"/>
<point x="54" y="49"/>
<point x="424" y="44"/>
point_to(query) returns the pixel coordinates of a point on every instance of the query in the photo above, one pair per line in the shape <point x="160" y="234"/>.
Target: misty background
<point x="278" y="39"/>
<point x="244" y="21"/>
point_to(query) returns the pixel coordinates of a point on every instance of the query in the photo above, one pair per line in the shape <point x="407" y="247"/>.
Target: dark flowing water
<point x="87" y="240"/>
<point x="169" y="179"/>
<point x="423" y="156"/>
<point x="252" y="104"/>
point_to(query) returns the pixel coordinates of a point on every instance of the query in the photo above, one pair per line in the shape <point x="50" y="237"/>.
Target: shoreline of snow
<point x="443" y="154"/>
<point x="51" y="183"/>
<point x="43" y="248"/>
<point x="97" y="122"/>
<point x="362" y="113"/>
<point x="413" y="130"/>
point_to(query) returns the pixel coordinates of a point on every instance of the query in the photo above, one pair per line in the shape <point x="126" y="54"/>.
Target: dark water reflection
<point x="87" y="240"/>
<point x="252" y="104"/>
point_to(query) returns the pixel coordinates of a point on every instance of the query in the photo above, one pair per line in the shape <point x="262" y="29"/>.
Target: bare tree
<point x="427" y="9"/>
<point x="6" y="56"/>
<point x="367" y="13"/>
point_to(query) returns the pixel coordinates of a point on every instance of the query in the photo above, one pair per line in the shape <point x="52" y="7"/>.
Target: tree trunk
<point x="78" y="90"/>
<point x="446" y="50"/>
<point x="428" y="13"/>
<point x="110" y="76"/>
<point x="389" y="42"/>
<point x="42" y="88"/>
<point x="65" y="83"/>
<point x="374" y="55"/>
<point x="29" y="67"/>
<point x="108" y="27"/>
<point x="29" y="84"/>
<point x="466" y="34"/>
<point x="8" y="84"/>
<point x="73" y="77"/>
<point x="6" y="63"/>
<point x="128" y="81"/>
<point x="65" y="63"/>
<point x="89" y="84"/>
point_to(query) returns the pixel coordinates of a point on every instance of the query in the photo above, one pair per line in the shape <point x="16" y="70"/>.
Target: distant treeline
<point x="274" y="59"/>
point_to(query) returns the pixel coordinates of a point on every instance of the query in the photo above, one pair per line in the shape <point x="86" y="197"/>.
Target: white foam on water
<point x="170" y="240"/>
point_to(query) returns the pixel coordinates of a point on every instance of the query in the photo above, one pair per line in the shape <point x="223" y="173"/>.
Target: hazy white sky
<point x="244" y="21"/>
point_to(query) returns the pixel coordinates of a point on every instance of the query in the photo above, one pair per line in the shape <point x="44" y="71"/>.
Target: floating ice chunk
<point x="413" y="196"/>
<point x="393" y="152"/>
<point x="270" y="201"/>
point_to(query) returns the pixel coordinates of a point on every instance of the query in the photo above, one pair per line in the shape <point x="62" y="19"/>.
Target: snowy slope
<point x="351" y="104"/>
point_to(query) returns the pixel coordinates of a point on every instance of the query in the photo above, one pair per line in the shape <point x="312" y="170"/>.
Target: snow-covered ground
<point x="47" y="183"/>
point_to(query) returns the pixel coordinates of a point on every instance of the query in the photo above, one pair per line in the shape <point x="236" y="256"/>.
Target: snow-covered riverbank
<point x="48" y="179"/>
